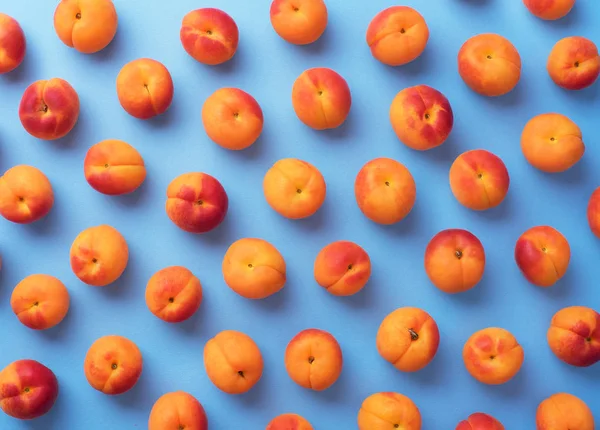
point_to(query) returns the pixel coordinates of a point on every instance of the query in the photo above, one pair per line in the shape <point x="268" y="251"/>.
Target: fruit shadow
<point x="433" y="373"/>
<point x="364" y="299"/>
<point x="253" y="152"/>
<point x="576" y="175"/>
<point x="63" y="329"/>
<point x="136" y="198"/>
<point x="74" y="137"/>
<point x="258" y="395"/>
<point x="228" y="67"/>
<point x="222" y="235"/>
<point x="164" y="120"/>
<point x="47" y="225"/>
<point x="141" y="396"/>
<point x="316" y="48"/>
<point x="275" y="302"/>
<point x="509" y="100"/>
<point x="108" y="53"/>
<point x="316" y="221"/>
<point x="339" y="392"/>
<point x="54" y="418"/>
<point x="193" y="325"/>
<point x="125" y="286"/>
<point x="569" y="21"/>
<point x="502" y="212"/>
<point x="512" y="389"/>
<point x="407" y="226"/>
<point x="417" y="67"/>
<point x="339" y="133"/>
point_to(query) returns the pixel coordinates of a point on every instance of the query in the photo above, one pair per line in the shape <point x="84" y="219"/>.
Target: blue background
<point x="174" y="143"/>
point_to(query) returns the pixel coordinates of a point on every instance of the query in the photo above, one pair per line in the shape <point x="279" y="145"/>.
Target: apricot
<point x="552" y="142"/>
<point x="232" y="118"/>
<point x="489" y="64"/>
<point x="397" y="35"/>
<point x="480" y="421"/>
<point x="574" y="336"/>
<point x="294" y="188"/>
<point x="388" y="411"/>
<point x="145" y="88"/>
<point x="574" y="63"/>
<point x="26" y="195"/>
<point x="564" y="411"/>
<point x="421" y="117"/>
<point x="408" y="338"/>
<point x="454" y="260"/>
<point x="233" y="362"/>
<point x="385" y="191"/>
<point x="177" y="410"/>
<point x="99" y="255"/>
<point x="254" y="268"/>
<point x="114" y="167"/>
<point x="289" y="422"/>
<point x="343" y="268"/>
<point x="542" y="254"/>
<point x="12" y="44"/>
<point x="593" y="212"/>
<point x="299" y="21"/>
<point x="209" y="35"/>
<point x="313" y="359"/>
<point x="549" y="9"/>
<point x="28" y="389"/>
<point x="113" y="365"/>
<point x="493" y="356"/>
<point x="49" y="109"/>
<point x="321" y="98"/>
<point x="86" y="25"/>
<point x="479" y="179"/>
<point x="40" y="301"/>
<point x="173" y="294"/>
<point x="196" y="202"/>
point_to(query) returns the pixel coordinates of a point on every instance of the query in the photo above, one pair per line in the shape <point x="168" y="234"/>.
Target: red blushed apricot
<point x="564" y="411"/>
<point x="254" y="268"/>
<point x="574" y="63"/>
<point x="313" y="359"/>
<point x="493" y="356"/>
<point x="479" y="179"/>
<point x="480" y="421"/>
<point x="397" y="35"/>
<point x="26" y="195"/>
<point x="294" y="188"/>
<point x="86" y="25"/>
<point x="232" y="118"/>
<point x="209" y="35"/>
<point x="408" y="338"/>
<point x="552" y="143"/>
<point x="489" y="64"/>
<point x="574" y="336"/>
<point x="289" y="422"/>
<point x="49" y="109"/>
<point x="40" y="301"/>
<point x="12" y="44"/>
<point x="549" y="9"/>
<point x="388" y="411"/>
<point x="28" y="389"/>
<point x="145" y="88"/>
<point x="196" y="202"/>
<point x="177" y="410"/>
<point x="173" y="294"/>
<point x="321" y="98"/>
<point x="114" y="167"/>
<point x="454" y="260"/>
<point x="385" y="191"/>
<point x="99" y="255"/>
<point x="113" y="365"/>
<point x="421" y="117"/>
<point x="342" y="268"/>
<point x="593" y="212"/>
<point x="233" y="362"/>
<point x="299" y="21"/>
<point x="542" y="254"/>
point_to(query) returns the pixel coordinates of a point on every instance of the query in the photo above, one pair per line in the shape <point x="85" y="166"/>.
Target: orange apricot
<point x="99" y="255"/>
<point x="177" y="410"/>
<point x="26" y="195"/>
<point x="289" y="422"/>
<point x="549" y="10"/>
<point x="564" y="411"/>
<point x="342" y="268"/>
<point x="388" y="411"/>
<point x="209" y="35"/>
<point x="385" y="191"/>
<point x="40" y="301"/>
<point x="233" y="362"/>
<point x="574" y="63"/>
<point x="113" y="365"/>
<point x="574" y="336"/>
<point x="173" y="294"/>
<point x="114" y="167"/>
<point x="299" y="21"/>
<point x="86" y="25"/>
<point x="593" y="212"/>
<point x="254" y="268"/>
<point x="12" y="44"/>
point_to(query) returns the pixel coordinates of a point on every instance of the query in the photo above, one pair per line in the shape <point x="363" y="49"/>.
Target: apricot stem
<point x="458" y="254"/>
<point x="26" y="389"/>
<point x="311" y="359"/>
<point x="589" y="339"/>
<point x="241" y="373"/>
<point x="576" y="63"/>
<point x="171" y="299"/>
<point x="413" y="334"/>
<point x="78" y="15"/>
<point x="94" y="260"/>
<point x="349" y="266"/>
<point x="387" y="184"/>
<point x="402" y="31"/>
<point x="114" y="366"/>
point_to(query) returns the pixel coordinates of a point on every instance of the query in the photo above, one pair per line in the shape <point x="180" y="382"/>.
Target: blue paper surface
<point x="175" y="143"/>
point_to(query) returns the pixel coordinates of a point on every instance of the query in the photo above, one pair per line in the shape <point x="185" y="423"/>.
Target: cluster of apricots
<point x="385" y="191"/>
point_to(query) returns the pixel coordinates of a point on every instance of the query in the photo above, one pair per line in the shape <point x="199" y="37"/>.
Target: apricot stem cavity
<point x="311" y="359"/>
<point x="241" y="373"/>
<point x="427" y="116"/>
<point x="489" y="57"/>
<point x="576" y="63"/>
<point x="94" y="260"/>
<point x="402" y="31"/>
<point x="387" y="184"/>
<point x="199" y="202"/>
<point x="78" y="15"/>
<point x="413" y="334"/>
<point x="250" y="266"/>
<point x="458" y="254"/>
<point x="114" y="366"/>
<point x="209" y="32"/>
<point x="299" y="191"/>
<point x="171" y="299"/>
<point x="26" y="389"/>
<point x="588" y="339"/>
<point x="349" y="266"/>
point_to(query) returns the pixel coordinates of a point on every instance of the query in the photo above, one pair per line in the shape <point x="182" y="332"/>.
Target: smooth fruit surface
<point x="26" y="194"/>
<point x="549" y="10"/>
<point x="12" y="44"/>
<point x="40" y="301"/>
<point x="564" y="411"/>
<point x="209" y="35"/>
<point x="388" y="411"/>
<point x="289" y="422"/>
<point x="574" y="336"/>
<point x="173" y="294"/>
<point x="177" y="410"/>
<point x="299" y="21"/>
<point x="342" y="268"/>
<point x="480" y="421"/>
<point x="574" y="63"/>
